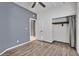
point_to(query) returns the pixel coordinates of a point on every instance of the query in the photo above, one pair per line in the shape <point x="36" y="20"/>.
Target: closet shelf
<point x="60" y="22"/>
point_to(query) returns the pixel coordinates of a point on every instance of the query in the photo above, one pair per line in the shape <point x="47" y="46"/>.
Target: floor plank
<point x="39" y="48"/>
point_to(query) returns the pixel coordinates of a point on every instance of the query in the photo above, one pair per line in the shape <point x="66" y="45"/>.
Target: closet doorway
<point x="60" y="29"/>
<point x="64" y="29"/>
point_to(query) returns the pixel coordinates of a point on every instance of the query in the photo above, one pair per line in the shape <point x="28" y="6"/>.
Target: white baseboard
<point x="14" y="47"/>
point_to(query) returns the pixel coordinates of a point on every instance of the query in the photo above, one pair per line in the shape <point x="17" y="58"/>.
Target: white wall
<point x="77" y="33"/>
<point x="44" y="20"/>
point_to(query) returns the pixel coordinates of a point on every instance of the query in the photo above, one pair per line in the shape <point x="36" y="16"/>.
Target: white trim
<point x="14" y="47"/>
<point x="77" y="50"/>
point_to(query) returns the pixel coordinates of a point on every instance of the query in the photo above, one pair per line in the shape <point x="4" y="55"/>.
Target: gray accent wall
<point x="14" y="25"/>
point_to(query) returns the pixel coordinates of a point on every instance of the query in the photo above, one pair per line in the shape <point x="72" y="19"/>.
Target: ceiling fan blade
<point x="42" y="4"/>
<point x="33" y="4"/>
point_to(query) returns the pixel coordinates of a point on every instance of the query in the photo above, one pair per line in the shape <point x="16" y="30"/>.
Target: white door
<point x="60" y="32"/>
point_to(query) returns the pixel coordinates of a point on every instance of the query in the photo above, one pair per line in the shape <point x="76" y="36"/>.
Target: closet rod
<point x="60" y="23"/>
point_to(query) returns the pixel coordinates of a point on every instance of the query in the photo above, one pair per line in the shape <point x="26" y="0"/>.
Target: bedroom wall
<point x="14" y="25"/>
<point x="44" y="19"/>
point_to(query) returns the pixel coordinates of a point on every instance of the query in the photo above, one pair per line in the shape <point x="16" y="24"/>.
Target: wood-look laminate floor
<point x="39" y="48"/>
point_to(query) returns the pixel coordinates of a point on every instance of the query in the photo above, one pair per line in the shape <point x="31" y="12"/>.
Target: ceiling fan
<point x="43" y="5"/>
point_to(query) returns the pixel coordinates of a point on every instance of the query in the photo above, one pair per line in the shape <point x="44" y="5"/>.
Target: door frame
<point x="31" y="19"/>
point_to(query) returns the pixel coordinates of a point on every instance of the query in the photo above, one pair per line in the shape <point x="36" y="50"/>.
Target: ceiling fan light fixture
<point x="35" y="3"/>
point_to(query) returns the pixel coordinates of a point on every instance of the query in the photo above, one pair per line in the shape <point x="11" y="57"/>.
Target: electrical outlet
<point x="17" y="41"/>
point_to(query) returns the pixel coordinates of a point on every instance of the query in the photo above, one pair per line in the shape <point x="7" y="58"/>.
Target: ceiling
<point x="38" y="8"/>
